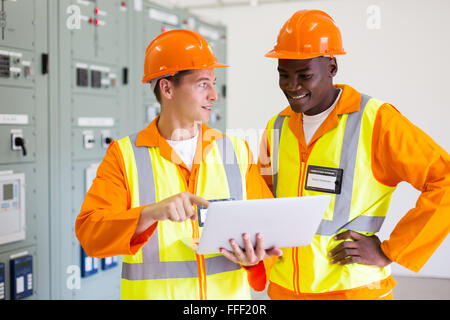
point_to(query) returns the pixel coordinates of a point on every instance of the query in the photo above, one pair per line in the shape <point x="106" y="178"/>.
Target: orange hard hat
<point x="177" y="50"/>
<point x="308" y="34"/>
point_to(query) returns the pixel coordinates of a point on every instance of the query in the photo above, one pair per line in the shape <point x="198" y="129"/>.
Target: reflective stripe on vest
<point x="347" y="163"/>
<point x="151" y="267"/>
<point x="231" y="166"/>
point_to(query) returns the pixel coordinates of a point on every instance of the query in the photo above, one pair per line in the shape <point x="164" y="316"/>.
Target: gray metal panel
<point x="106" y="283"/>
<point x="25" y="36"/>
<point x="93" y="46"/>
<point x="56" y="161"/>
<point x="8" y="156"/>
<point x="18" y="101"/>
<point x="19" y="24"/>
<point x="26" y="59"/>
<point x="82" y="38"/>
<point x="106" y="35"/>
<point x="79" y="152"/>
<point x="90" y="105"/>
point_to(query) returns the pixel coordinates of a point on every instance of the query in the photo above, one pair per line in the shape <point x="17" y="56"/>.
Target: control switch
<point x="18" y="142"/>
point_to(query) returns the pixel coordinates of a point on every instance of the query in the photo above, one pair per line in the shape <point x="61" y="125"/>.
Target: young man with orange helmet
<point x="335" y="140"/>
<point x="141" y="203"/>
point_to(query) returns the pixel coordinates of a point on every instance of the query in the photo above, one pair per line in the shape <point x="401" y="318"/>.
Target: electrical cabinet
<point x="24" y="161"/>
<point x="92" y="49"/>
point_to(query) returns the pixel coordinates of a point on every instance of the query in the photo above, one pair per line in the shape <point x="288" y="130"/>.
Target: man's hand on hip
<point x="362" y="249"/>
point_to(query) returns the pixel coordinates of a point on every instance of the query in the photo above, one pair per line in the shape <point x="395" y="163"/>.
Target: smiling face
<point x="193" y="97"/>
<point x="308" y="83"/>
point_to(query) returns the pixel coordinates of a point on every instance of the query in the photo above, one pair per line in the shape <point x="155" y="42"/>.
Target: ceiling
<point x="200" y="4"/>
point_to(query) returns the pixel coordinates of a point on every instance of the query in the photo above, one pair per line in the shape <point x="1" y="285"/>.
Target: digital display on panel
<point x="8" y="193"/>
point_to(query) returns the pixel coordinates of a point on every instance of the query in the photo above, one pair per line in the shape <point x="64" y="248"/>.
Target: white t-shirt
<point x="312" y="123"/>
<point x="185" y="149"/>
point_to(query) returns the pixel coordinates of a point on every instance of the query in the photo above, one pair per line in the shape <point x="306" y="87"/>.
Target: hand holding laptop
<point x="284" y="222"/>
<point x="250" y="256"/>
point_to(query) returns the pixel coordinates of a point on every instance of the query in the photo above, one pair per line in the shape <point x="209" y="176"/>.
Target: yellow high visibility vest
<point x="165" y="267"/>
<point x="361" y="204"/>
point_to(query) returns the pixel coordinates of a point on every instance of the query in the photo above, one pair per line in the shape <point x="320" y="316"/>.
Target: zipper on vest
<point x="196" y="235"/>
<point x="301" y="182"/>
<point x="200" y="263"/>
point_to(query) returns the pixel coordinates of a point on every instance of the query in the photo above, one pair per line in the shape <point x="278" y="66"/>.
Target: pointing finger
<point x="198" y="200"/>
<point x="190" y="213"/>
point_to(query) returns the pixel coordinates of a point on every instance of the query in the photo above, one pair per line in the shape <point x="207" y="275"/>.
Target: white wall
<point x="405" y="62"/>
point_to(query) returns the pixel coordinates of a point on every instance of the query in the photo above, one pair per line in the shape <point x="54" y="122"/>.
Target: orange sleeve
<point x="258" y="275"/>
<point x="402" y="152"/>
<point x="256" y="186"/>
<point x="106" y="225"/>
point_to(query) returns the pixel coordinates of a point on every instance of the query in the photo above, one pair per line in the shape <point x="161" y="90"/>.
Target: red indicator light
<point x="96" y="11"/>
<point x="96" y="22"/>
<point x="163" y="29"/>
<point x="123" y="3"/>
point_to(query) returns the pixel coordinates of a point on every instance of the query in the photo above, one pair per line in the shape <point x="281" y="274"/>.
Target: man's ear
<point x="166" y="88"/>
<point x="332" y="67"/>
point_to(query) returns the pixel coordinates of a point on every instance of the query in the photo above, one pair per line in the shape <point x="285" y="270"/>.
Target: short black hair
<point x="175" y="79"/>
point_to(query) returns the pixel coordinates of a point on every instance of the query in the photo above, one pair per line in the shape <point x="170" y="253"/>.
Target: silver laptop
<point x="284" y="222"/>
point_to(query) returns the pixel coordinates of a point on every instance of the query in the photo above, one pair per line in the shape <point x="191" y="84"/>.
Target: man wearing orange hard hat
<point x="141" y="203"/>
<point x="332" y="139"/>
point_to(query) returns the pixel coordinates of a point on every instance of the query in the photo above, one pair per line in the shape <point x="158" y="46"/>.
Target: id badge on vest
<point x="202" y="211"/>
<point x="324" y="179"/>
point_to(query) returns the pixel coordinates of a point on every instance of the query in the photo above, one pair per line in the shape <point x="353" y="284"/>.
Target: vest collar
<point x="348" y="102"/>
<point x="150" y="137"/>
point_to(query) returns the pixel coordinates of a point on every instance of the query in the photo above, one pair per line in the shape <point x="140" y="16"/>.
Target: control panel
<point x="21" y="271"/>
<point x="95" y="76"/>
<point x="15" y="65"/>
<point x="89" y="265"/>
<point x="109" y="262"/>
<point x="69" y="85"/>
<point x="24" y="148"/>
<point x="12" y="207"/>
